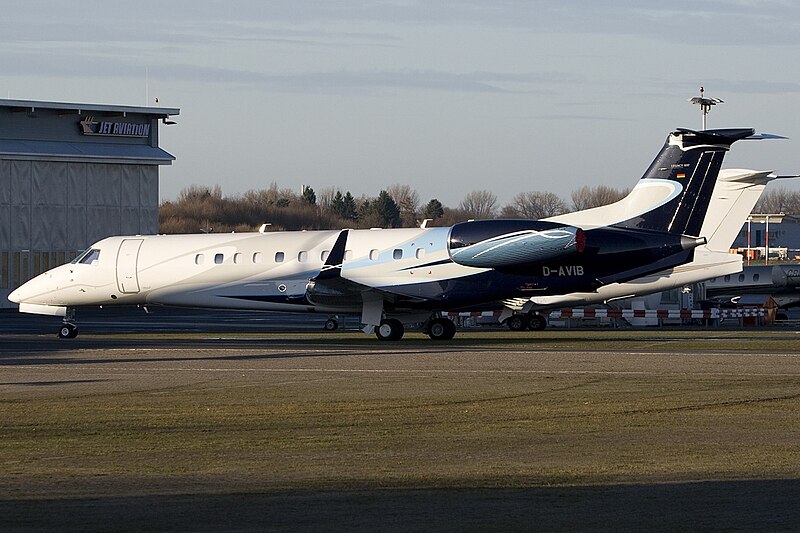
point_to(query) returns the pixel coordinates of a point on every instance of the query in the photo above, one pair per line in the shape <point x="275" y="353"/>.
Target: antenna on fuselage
<point x="705" y="104"/>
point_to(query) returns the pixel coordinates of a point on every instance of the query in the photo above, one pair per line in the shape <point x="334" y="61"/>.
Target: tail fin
<point x="674" y="193"/>
<point x="689" y="164"/>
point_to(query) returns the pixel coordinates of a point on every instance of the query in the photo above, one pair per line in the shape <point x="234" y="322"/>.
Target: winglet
<point x="333" y="265"/>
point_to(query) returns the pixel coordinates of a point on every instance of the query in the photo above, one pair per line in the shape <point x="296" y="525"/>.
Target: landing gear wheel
<point x="390" y="329"/>
<point x="68" y="331"/>
<point x="331" y="324"/>
<point x="537" y="322"/>
<point x="441" y="329"/>
<point x="517" y="322"/>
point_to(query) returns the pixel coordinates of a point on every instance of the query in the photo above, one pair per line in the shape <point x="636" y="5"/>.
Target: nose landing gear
<point x="68" y="329"/>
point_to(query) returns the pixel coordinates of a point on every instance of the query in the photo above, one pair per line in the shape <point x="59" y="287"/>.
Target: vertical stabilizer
<point x="687" y="169"/>
<point x="673" y="194"/>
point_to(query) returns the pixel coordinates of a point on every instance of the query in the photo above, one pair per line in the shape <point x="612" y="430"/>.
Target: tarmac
<point x="134" y="354"/>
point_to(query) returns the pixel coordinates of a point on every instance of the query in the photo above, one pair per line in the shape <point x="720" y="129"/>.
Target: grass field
<point x="491" y="414"/>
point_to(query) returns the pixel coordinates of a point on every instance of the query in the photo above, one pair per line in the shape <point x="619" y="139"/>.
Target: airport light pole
<point x="705" y="104"/>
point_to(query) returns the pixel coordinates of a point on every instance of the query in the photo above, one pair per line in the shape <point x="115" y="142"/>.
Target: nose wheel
<point x="68" y="331"/>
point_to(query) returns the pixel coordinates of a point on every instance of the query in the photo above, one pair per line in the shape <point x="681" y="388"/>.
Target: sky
<point x="445" y="96"/>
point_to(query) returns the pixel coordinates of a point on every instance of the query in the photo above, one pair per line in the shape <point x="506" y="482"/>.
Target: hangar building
<point x="72" y="174"/>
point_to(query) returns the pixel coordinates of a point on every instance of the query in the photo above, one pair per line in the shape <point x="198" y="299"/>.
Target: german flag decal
<point x="680" y="176"/>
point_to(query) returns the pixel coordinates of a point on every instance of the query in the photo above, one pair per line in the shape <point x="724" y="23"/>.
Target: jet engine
<point x="512" y="243"/>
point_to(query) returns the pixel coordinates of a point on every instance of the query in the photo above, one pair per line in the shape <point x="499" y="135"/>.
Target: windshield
<point x="87" y="257"/>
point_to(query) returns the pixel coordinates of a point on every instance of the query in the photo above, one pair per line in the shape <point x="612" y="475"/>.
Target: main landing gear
<point x="532" y="321"/>
<point x="441" y="329"/>
<point x="437" y="328"/>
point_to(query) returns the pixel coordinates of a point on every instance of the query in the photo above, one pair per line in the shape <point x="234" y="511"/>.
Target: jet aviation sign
<point x="89" y="126"/>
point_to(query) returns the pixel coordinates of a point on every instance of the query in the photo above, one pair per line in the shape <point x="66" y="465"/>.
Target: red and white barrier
<point x="590" y="312"/>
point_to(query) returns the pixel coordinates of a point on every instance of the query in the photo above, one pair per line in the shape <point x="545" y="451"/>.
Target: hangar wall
<point x="60" y="192"/>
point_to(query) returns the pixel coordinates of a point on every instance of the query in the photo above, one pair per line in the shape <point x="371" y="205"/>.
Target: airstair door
<point x="127" y="259"/>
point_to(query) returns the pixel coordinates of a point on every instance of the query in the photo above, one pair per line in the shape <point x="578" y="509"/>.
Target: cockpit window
<point x="87" y="257"/>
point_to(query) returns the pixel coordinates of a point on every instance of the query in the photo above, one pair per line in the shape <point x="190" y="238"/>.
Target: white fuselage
<point x="268" y="271"/>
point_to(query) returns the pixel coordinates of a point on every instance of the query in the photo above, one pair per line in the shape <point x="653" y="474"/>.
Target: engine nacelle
<point x="512" y="243"/>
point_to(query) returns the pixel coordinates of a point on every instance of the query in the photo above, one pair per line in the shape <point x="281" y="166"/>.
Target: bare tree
<point x="535" y="205"/>
<point x="479" y="204"/>
<point x="407" y="200"/>
<point x="780" y="200"/>
<point x="325" y="197"/>
<point x="587" y="197"/>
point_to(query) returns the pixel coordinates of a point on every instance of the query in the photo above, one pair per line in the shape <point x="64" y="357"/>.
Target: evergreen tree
<point x="386" y="209"/>
<point x="433" y="210"/>
<point x="349" y="209"/>
<point x="337" y="205"/>
<point x="309" y="196"/>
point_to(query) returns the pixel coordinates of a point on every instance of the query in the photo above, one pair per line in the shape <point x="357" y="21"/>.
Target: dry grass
<point x="494" y="413"/>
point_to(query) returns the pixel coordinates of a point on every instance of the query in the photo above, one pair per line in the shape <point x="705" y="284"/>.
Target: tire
<point x="331" y="324"/>
<point x="390" y="329"/>
<point x="517" y="322"/>
<point x="67" y="331"/>
<point x="442" y="329"/>
<point x="537" y="322"/>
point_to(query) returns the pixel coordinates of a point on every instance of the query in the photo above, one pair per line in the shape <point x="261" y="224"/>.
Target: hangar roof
<point x="58" y="138"/>
<point x="32" y="105"/>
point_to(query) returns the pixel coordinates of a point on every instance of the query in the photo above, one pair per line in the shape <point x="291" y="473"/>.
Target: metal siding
<point x="5" y="182"/>
<point x="20" y="182"/>
<point x="129" y="185"/>
<point x="5" y="227"/>
<point x="48" y="183"/>
<point x="101" y="222"/>
<point x="76" y="184"/>
<point x="129" y="220"/>
<point x="148" y="221"/>
<point x="76" y="228"/>
<point x="20" y="227"/>
<point x="148" y="190"/>
<point x="48" y="227"/>
<point x="102" y="185"/>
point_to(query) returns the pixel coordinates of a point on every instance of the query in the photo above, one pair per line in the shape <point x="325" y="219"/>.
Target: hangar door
<point x="127" y="258"/>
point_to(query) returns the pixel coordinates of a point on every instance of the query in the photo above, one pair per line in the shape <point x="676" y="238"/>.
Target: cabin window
<point x="237" y="258"/>
<point x="324" y="255"/>
<point x="397" y="254"/>
<point x="218" y="258"/>
<point x="420" y="253"/>
<point x="279" y="256"/>
<point x="756" y="277"/>
<point x="302" y="256"/>
<point x="374" y="254"/>
<point x="741" y="277"/>
<point x="257" y="257"/>
<point x="727" y="278"/>
<point x="198" y="259"/>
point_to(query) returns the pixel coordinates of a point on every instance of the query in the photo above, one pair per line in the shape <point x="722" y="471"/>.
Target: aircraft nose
<point x="15" y="296"/>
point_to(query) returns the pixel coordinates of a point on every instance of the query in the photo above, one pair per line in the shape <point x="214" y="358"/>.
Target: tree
<point x="325" y="197"/>
<point x="349" y="209"/>
<point x="780" y="200"/>
<point x="535" y="205"/>
<point x="433" y="210"/>
<point x="587" y="197"/>
<point x="386" y="209"/>
<point x="309" y="196"/>
<point x="407" y="200"/>
<point x="479" y="204"/>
